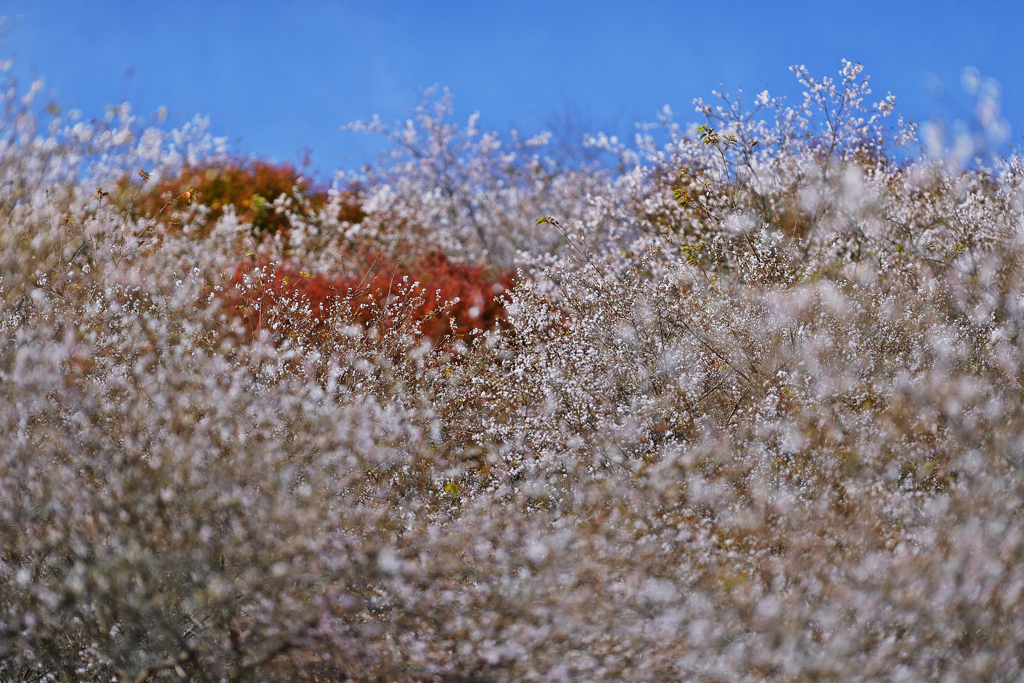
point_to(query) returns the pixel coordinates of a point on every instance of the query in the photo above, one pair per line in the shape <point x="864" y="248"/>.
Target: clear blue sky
<point x="277" y="77"/>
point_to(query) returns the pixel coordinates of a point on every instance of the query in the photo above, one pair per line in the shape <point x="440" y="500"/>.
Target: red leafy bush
<point x="445" y="299"/>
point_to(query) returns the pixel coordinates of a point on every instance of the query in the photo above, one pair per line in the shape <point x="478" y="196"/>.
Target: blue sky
<point x="277" y="77"/>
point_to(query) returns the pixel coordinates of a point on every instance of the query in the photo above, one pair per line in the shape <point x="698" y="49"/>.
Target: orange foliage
<point x="250" y="185"/>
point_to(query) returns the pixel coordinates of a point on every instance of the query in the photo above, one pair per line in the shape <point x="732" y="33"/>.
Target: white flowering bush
<point x="754" y="411"/>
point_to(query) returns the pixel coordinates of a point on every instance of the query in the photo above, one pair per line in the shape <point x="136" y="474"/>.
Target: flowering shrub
<point x="466" y="192"/>
<point x="755" y="412"/>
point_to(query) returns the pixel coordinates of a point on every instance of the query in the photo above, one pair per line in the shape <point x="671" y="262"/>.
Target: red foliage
<point x="440" y="281"/>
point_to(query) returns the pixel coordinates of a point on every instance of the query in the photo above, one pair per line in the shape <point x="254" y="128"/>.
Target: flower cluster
<point x="753" y="410"/>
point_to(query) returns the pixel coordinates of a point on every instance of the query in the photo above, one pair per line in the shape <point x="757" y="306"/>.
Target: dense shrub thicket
<point x="754" y="412"/>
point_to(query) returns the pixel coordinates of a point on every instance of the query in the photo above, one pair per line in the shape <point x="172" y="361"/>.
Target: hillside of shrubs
<point x="743" y="403"/>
